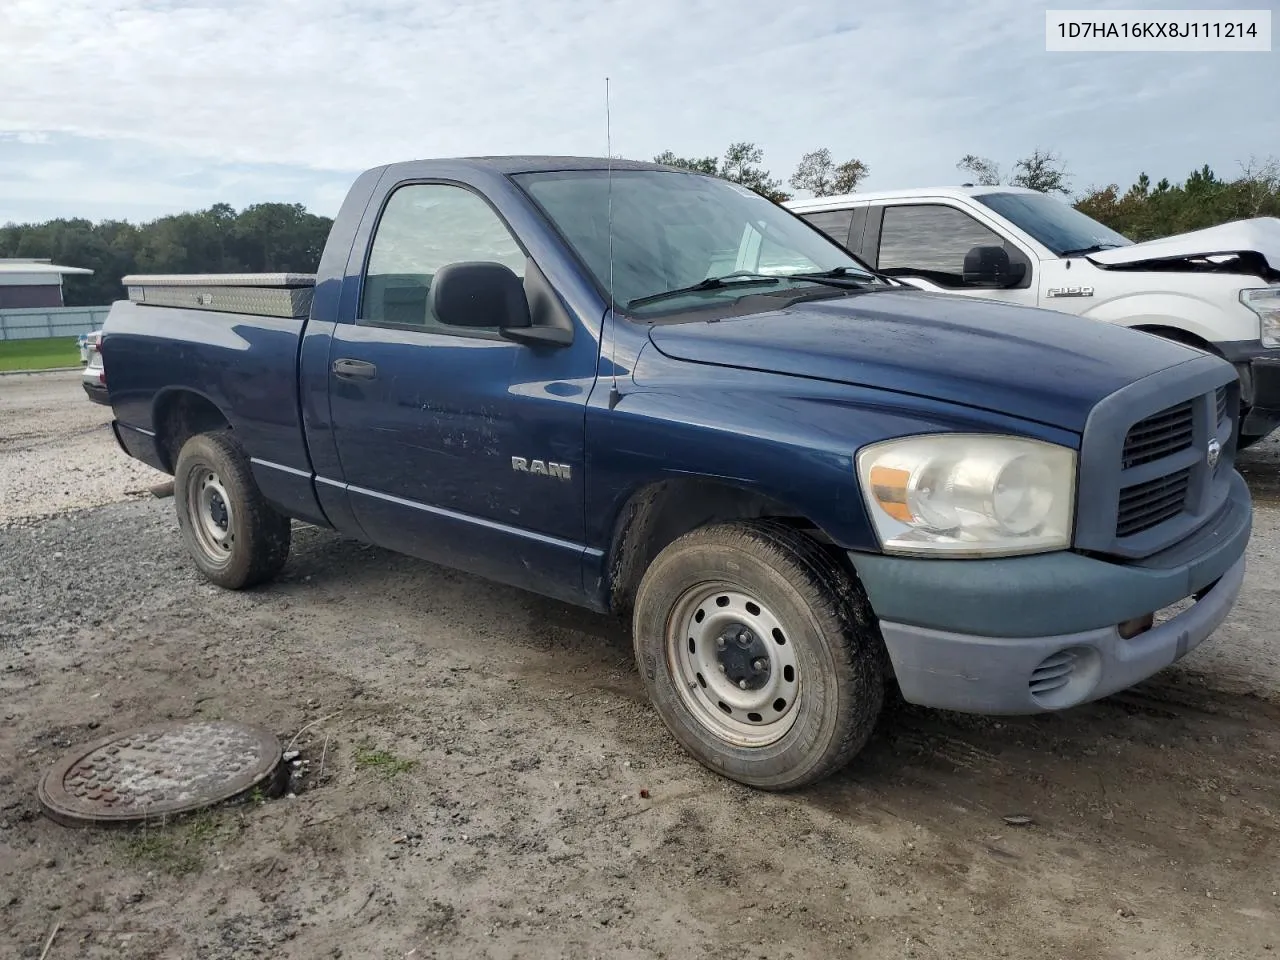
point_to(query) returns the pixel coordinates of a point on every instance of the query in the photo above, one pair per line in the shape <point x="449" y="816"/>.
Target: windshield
<point x="1061" y="228"/>
<point x="673" y="230"/>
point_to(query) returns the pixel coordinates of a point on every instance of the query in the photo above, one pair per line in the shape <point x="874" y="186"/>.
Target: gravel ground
<point x="57" y="452"/>
<point x="486" y="750"/>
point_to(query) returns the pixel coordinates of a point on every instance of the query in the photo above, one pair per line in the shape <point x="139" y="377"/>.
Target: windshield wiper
<point x="1082" y="251"/>
<point x="839" y="277"/>
<point x="740" y="279"/>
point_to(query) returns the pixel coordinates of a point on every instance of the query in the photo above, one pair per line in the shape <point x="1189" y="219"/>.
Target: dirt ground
<point x="473" y="787"/>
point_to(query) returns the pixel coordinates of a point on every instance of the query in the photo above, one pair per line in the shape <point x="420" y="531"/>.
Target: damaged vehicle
<point x="1216" y="289"/>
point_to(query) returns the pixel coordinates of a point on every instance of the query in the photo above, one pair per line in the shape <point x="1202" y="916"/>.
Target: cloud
<point x="244" y="90"/>
<point x="66" y="176"/>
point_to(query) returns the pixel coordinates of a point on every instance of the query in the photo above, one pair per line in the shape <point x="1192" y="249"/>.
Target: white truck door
<point x="936" y="245"/>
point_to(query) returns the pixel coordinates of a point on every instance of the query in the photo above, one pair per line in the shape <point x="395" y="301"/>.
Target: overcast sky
<point x="136" y="108"/>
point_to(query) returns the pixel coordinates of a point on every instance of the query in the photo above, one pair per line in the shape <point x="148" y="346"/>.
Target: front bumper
<point x="999" y="675"/>
<point x="1264" y="410"/>
<point x="1258" y="368"/>
<point x="1032" y="634"/>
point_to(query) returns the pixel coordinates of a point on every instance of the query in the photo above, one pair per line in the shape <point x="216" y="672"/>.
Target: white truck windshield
<point x="1063" y="229"/>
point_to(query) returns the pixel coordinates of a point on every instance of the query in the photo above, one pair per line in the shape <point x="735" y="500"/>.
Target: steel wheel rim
<point x="717" y="637"/>
<point x="211" y="516"/>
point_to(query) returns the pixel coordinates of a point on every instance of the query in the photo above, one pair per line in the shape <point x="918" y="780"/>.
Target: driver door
<point x="432" y="423"/>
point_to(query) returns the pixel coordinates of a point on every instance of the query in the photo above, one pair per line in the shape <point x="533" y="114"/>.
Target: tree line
<point x="282" y="237"/>
<point x="263" y="238"/>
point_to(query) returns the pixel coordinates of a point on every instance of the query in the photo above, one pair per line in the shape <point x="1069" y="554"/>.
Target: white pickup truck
<point x="1216" y="289"/>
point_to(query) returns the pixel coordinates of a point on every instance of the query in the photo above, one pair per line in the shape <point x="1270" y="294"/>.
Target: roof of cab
<point x="843" y="200"/>
<point x="545" y="164"/>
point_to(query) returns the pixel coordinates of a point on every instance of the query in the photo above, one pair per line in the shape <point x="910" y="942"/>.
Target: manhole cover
<point x="159" y="771"/>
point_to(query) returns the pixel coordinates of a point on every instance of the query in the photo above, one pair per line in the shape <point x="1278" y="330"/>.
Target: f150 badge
<point x="541" y="468"/>
<point x="1069" y="292"/>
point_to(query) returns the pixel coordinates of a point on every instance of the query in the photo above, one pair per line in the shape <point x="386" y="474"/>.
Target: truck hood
<point x="1020" y="361"/>
<point x="1256" y="240"/>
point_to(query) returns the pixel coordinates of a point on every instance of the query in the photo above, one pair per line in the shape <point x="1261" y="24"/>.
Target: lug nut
<point x="742" y="684"/>
<point x="719" y="643"/>
<point x="722" y="668"/>
<point x="759" y="664"/>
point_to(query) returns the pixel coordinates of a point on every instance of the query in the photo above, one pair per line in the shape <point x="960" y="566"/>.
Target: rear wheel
<point x="760" y="653"/>
<point x="234" y="536"/>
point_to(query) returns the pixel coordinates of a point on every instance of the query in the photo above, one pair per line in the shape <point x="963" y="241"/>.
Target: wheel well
<point x="664" y="511"/>
<point x="1180" y="336"/>
<point x="180" y="415"/>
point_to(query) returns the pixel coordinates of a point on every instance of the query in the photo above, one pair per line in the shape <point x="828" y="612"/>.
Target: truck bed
<point x="285" y="295"/>
<point x="172" y="369"/>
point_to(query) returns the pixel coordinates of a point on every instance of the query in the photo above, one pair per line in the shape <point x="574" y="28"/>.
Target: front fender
<point x="1180" y="311"/>
<point x="789" y="439"/>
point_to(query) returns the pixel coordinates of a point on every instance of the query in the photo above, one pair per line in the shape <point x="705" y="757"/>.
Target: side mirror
<point x="990" y="266"/>
<point x="483" y="294"/>
<point x="478" y="294"/>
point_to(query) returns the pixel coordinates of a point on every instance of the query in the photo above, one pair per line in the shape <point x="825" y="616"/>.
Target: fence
<point x="29" y="323"/>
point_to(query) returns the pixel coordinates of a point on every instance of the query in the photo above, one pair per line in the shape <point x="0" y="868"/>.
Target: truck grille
<point x="1150" y="504"/>
<point x="1159" y="436"/>
<point x="1156" y="460"/>
<point x="1170" y="437"/>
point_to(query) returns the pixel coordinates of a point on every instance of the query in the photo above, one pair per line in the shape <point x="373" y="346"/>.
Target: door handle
<point x="349" y="369"/>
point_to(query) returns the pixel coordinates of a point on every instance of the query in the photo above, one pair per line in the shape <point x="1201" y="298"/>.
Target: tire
<point x="235" y="537"/>
<point x="807" y="619"/>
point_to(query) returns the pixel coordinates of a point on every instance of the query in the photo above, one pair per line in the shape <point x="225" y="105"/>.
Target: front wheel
<point x="234" y="536"/>
<point x="759" y="653"/>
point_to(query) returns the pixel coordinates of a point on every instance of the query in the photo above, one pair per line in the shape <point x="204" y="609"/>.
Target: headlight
<point x="1265" y="302"/>
<point x="968" y="495"/>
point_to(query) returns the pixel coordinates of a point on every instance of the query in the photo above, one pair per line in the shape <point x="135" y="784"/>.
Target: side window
<point x="834" y="223"/>
<point x="931" y="241"/>
<point x="424" y="227"/>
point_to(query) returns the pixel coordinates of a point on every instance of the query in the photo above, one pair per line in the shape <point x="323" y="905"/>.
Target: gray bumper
<point x="1000" y="636"/>
<point x="1053" y="593"/>
<point x="1012" y="675"/>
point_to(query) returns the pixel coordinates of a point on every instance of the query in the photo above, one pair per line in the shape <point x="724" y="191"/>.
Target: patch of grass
<point x="40" y="354"/>
<point x="385" y="764"/>
<point x="178" y="848"/>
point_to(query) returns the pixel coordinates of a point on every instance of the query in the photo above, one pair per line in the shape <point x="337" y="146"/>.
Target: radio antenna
<point x="614" y="396"/>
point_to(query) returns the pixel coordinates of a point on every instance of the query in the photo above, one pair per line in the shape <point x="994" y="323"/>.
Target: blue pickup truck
<point x="658" y="394"/>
